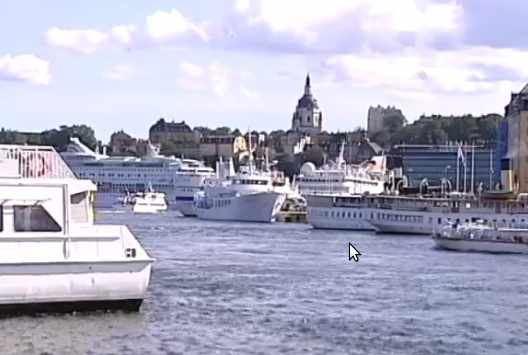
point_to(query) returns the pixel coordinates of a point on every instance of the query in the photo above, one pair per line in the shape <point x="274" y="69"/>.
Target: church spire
<point x="307" y="87"/>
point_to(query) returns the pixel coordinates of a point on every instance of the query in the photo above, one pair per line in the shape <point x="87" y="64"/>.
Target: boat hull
<point x="339" y="218"/>
<point x="73" y="286"/>
<point x="257" y="207"/>
<point x="481" y="246"/>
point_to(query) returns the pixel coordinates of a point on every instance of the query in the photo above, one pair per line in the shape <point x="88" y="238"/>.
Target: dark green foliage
<point x="438" y="130"/>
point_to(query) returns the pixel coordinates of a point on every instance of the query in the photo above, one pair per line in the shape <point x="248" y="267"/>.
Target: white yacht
<point x="248" y="196"/>
<point x="149" y="202"/>
<point x="115" y="177"/>
<point x="483" y="237"/>
<point x="52" y="256"/>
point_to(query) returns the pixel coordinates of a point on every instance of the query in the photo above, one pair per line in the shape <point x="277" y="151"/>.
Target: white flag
<point x="460" y="156"/>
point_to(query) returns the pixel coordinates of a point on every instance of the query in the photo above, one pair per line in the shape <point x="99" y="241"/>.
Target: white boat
<point x="117" y="176"/>
<point x="248" y="196"/>
<point x="482" y="237"/>
<point x="343" y="179"/>
<point x="149" y="202"/>
<point x="346" y="212"/>
<point x="52" y="256"/>
<point x="423" y="215"/>
<point x="335" y="194"/>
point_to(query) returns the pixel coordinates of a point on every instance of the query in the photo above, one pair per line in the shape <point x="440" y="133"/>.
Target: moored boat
<point x="52" y="255"/>
<point x="483" y="237"/>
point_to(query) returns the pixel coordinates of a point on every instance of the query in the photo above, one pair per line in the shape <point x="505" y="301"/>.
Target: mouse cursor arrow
<point x="353" y="253"/>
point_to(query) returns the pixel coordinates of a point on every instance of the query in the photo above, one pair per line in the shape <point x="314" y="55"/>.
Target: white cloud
<point x="25" y="67"/>
<point x="469" y="70"/>
<point x="214" y="78"/>
<point x="170" y="26"/>
<point x="83" y="41"/>
<point x="119" y="72"/>
<point x="124" y="34"/>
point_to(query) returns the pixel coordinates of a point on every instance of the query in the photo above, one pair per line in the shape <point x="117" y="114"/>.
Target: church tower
<point x="307" y="118"/>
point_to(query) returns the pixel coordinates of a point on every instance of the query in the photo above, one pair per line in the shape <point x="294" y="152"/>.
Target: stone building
<point x="178" y="132"/>
<point x="516" y="113"/>
<point x="225" y="146"/>
<point x="376" y="115"/>
<point x="307" y="118"/>
<point x="121" y="143"/>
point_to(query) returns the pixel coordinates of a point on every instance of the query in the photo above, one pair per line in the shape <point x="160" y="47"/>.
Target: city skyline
<point x="243" y="63"/>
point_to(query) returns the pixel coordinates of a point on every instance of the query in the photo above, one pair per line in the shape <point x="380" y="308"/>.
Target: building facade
<point x="307" y="118"/>
<point x="435" y="163"/>
<point x="376" y="116"/>
<point x="178" y="132"/>
<point x="516" y="113"/>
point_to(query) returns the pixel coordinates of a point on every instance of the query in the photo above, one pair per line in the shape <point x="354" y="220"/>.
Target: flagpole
<point x="465" y="169"/>
<point x="458" y="171"/>
<point x="472" y="168"/>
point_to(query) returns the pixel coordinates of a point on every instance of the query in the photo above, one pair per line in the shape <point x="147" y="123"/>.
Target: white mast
<point x="472" y="168"/>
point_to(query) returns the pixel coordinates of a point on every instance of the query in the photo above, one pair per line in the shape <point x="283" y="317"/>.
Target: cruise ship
<point x="116" y="177"/>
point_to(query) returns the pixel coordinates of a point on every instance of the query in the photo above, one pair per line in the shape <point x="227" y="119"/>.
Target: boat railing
<point x="32" y="162"/>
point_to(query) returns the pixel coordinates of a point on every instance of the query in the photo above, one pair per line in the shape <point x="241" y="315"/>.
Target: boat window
<point x="34" y="219"/>
<point x="79" y="208"/>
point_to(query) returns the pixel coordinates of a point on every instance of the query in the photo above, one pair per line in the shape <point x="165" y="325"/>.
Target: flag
<point x="460" y="156"/>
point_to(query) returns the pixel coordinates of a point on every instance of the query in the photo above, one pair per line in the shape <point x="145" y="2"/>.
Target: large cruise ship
<point x="115" y="177"/>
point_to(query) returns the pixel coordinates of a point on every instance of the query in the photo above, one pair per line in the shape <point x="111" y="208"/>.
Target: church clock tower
<point x="307" y="118"/>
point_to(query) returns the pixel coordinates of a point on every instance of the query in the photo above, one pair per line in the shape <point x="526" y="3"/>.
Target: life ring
<point x="36" y="166"/>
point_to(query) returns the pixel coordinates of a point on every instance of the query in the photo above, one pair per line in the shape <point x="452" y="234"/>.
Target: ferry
<point x="248" y="196"/>
<point x="340" y="178"/>
<point x="115" y="177"/>
<point x="479" y="236"/>
<point x="53" y="258"/>
<point x="336" y="194"/>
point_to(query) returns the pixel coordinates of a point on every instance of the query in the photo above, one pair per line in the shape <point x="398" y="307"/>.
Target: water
<point x="234" y="288"/>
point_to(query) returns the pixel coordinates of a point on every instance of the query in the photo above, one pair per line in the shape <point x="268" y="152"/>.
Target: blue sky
<point x="123" y="64"/>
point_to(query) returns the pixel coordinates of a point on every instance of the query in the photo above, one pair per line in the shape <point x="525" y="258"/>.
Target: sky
<point x="121" y="65"/>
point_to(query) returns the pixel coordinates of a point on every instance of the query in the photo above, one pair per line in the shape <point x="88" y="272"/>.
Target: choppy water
<point x="221" y="288"/>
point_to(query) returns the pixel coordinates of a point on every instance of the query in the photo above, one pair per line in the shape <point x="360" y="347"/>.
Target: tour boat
<point x="149" y="202"/>
<point x="483" y="237"/>
<point x="53" y="258"/>
<point x="248" y="196"/>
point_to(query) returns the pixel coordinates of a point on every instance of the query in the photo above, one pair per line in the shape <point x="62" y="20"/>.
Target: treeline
<point x="58" y="138"/>
<point x="438" y="130"/>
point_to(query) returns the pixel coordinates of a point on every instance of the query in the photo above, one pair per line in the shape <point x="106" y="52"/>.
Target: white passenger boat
<point x="149" y="202"/>
<point x="52" y="256"/>
<point x="117" y="176"/>
<point x="482" y="237"/>
<point x="248" y="196"/>
<point x="338" y="212"/>
<point x="340" y="178"/>
<point x="423" y="215"/>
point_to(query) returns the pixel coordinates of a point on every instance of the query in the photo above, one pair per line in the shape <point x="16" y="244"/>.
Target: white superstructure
<point x="248" y="196"/>
<point x="179" y="179"/>
<point x="52" y="256"/>
<point x="483" y="237"/>
<point x="343" y="179"/>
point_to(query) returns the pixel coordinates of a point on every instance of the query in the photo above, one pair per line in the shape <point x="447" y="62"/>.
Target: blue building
<point x="435" y="163"/>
